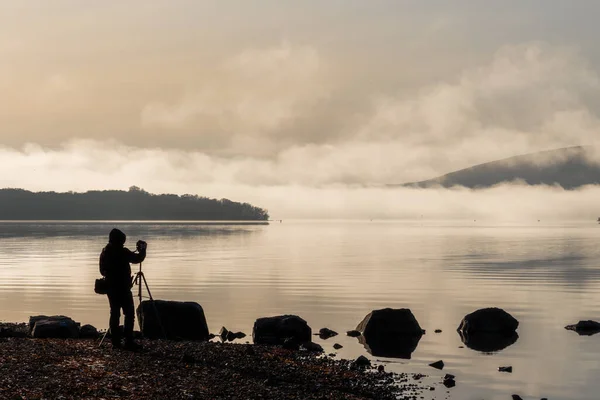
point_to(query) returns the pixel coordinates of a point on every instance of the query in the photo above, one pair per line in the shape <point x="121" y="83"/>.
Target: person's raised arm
<point x="136" y="258"/>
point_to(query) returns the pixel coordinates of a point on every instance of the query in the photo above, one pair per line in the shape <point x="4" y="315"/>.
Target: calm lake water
<point x="334" y="273"/>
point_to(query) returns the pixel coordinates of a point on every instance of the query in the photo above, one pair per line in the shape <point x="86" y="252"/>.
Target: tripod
<point x="138" y="279"/>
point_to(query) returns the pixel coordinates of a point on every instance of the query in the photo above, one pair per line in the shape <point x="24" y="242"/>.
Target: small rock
<point x="353" y="333"/>
<point x="437" y="365"/>
<point x="505" y="369"/>
<point x="362" y="361"/>
<point x="88" y="332"/>
<point x="312" y="347"/>
<point x="326" y="333"/>
<point x="332" y="354"/>
<point x="438" y="331"/>
<point x="229" y="336"/>
<point x="418" y="377"/>
<point x="211" y="336"/>
<point x="516" y="397"/>
<point x="223" y="333"/>
<point x="381" y="368"/>
<point x="585" y="327"/>
<point x="449" y="381"/>
<point x="337" y="346"/>
<point x="239" y="335"/>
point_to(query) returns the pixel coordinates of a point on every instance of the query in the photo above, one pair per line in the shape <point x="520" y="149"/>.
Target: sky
<point x="259" y="99"/>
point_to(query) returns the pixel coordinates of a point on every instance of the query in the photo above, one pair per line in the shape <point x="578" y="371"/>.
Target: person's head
<point x="116" y="237"/>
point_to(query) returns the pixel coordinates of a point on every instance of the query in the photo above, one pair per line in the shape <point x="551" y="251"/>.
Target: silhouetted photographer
<point x="114" y="266"/>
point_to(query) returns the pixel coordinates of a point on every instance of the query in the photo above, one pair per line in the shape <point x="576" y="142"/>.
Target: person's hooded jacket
<point x="115" y="259"/>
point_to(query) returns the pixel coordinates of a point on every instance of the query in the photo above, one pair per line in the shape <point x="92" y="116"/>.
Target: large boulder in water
<point x="57" y="326"/>
<point x="180" y="320"/>
<point x="275" y="330"/>
<point x="488" y="330"/>
<point x="488" y="320"/>
<point x="390" y="333"/>
<point x="390" y="322"/>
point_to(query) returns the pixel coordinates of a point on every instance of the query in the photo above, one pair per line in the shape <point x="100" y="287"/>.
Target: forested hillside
<point x="135" y="204"/>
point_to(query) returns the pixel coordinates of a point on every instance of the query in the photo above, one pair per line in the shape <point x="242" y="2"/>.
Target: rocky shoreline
<point x="57" y="358"/>
<point x="79" y="369"/>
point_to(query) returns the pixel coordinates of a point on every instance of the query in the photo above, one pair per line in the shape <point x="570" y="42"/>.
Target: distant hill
<point x="135" y="204"/>
<point x="568" y="167"/>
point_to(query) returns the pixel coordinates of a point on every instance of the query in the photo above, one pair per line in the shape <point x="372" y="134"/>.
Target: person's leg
<point x="115" y="316"/>
<point x="128" y="311"/>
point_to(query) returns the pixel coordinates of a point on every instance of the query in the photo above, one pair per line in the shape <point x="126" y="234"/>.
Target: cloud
<point x="257" y="93"/>
<point x="530" y="97"/>
<point x="267" y="112"/>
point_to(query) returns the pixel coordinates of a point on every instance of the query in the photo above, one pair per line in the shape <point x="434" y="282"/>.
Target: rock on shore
<point x="57" y="326"/>
<point x="179" y="319"/>
<point x="278" y="329"/>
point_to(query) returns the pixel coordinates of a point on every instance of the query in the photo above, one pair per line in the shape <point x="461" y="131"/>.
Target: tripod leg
<point x="147" y="288"/>
<point x="154" y="306"/>
<point x="104" y="337"/>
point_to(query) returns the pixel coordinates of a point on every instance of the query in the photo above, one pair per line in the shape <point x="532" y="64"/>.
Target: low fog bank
<point x="503" y="203"/>
<point x="91" y="165"/>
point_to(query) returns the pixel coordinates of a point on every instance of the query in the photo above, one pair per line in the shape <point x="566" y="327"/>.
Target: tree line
<point x="135" y="204"/>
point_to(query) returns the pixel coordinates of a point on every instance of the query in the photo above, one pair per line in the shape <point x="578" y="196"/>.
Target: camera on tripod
<point x="141" y="245"/>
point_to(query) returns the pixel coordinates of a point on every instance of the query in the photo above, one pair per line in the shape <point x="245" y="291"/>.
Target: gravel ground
<point x="78" y="369"/>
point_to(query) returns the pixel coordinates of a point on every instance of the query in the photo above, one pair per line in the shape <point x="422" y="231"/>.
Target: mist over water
<point x="82" y="167"/>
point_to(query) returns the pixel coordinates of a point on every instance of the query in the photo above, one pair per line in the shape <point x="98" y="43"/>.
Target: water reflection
<point x="77" y="229"/>
<point x="530" y="256"/>
<point x="486" y="342"/>
<point x="398" y="346"/>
